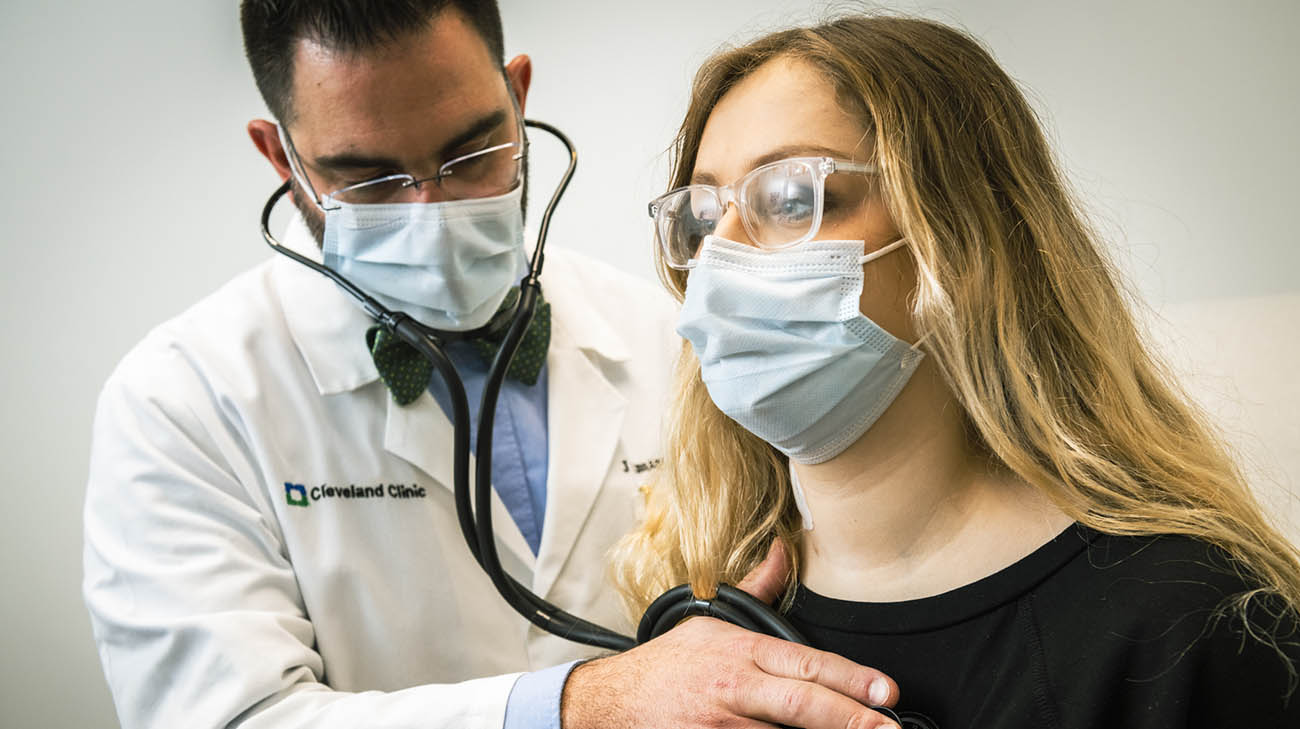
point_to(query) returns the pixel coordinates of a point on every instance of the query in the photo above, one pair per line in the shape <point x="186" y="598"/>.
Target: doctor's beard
<point x="311" y="215"/>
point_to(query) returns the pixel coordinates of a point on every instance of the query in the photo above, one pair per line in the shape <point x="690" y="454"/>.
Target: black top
<point x="1090" y="630"/>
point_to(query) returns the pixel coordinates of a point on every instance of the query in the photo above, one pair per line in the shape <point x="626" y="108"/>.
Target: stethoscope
<point x="730" y="604"/>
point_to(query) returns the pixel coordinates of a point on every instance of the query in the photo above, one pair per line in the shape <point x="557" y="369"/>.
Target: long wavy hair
<point x="1023" y="314"/>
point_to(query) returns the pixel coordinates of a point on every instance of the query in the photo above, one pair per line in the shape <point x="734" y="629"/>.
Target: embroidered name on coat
<point x="296" y="494"/>
<point x="641" y="467"/>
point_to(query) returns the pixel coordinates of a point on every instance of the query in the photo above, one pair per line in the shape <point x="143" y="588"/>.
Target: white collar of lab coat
<point x="328" y="326"/>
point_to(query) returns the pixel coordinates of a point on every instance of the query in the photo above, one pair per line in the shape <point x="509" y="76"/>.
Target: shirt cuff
<point x="534" y="701"/>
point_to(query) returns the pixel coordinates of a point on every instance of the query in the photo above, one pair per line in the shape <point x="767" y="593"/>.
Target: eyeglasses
<point x="494" y="170"/>
<point x="781" y="204"/>
<point x="485" y="173"/>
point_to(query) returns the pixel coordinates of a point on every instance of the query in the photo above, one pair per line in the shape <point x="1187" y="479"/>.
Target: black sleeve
<point x="1248" y="678"/>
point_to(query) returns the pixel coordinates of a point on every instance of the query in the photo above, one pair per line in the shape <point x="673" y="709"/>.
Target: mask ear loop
<point x="800" y="500"/>
<point x="914" y="353"/>
<point x="882" y="251"/>
<point x="916" y="346"/>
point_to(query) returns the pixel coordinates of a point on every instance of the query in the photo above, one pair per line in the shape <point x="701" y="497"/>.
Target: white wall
<point x="129" y="189"/>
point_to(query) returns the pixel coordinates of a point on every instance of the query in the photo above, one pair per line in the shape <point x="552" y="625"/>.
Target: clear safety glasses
<point x="781" y="204"/>
<point x="494" y="170"/>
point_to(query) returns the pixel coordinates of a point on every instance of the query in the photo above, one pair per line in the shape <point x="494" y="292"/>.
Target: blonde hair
<point x="1024" y="316"/>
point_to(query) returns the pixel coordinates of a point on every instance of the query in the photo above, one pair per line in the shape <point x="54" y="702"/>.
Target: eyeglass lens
<point x="781" y="202"/>
<point x="684" y="219"/>
<point x="778" y="205"/>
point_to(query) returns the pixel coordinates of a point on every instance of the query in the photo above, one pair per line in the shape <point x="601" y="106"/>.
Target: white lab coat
<point x="215" y="601"/>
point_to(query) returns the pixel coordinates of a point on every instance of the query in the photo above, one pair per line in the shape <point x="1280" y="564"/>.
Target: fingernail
<point x="878" y="693"/>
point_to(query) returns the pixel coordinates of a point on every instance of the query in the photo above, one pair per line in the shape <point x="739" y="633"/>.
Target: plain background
<point x="129" y="190"/>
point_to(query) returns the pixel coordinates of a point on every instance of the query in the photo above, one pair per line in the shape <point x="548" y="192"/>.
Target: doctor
<point x="270" y="532"/>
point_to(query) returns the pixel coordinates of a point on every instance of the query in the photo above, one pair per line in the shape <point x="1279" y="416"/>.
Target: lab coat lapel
<point x="585" y="424"/>
<point x="422" y="435"/>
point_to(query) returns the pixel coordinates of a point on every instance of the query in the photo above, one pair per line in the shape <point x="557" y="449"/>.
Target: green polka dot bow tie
<point x="406" y="372"/>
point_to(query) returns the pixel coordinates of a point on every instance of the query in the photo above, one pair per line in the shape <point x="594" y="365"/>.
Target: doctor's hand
<point x="708" y="673"/>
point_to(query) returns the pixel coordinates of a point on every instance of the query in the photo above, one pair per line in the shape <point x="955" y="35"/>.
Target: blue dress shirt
<point x="534" y="702"/>
<point x="519" y="437"/>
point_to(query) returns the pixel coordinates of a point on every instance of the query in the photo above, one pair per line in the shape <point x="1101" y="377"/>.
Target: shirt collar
<point x="326" y="323"/>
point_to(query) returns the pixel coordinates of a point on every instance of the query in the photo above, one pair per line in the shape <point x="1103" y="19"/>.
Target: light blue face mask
<point x="783" y="348"/>
<point x="447" y="264"/>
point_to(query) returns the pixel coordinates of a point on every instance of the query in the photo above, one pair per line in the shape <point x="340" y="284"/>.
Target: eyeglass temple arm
<point x="297" y="168"/>
<point x="865" y="168"/>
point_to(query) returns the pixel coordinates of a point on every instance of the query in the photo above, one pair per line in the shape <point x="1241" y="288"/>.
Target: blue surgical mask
<point x="783" y="348"/>
<point x="449" y="265"/>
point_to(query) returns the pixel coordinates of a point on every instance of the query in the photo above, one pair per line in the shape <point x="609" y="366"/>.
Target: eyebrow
<point x="353" y="161"/>
<point x="780" y="153"/>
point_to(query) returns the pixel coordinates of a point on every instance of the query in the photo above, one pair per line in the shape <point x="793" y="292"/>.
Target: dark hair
<point x="273" y="27"/>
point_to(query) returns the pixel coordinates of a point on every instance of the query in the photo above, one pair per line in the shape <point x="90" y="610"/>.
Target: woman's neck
<point x="910" y="510"/>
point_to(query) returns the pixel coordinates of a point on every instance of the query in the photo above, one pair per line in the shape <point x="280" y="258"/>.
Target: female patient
<point x="909" y="359"/>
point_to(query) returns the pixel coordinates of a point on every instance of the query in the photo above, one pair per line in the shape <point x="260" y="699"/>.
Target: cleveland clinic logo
<point x="297" y="494"/>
